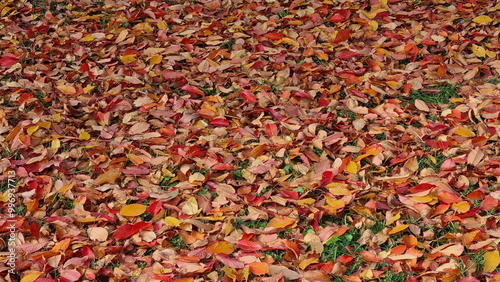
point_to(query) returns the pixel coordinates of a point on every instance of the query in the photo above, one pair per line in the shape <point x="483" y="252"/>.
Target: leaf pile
<point x="252" y="140"/>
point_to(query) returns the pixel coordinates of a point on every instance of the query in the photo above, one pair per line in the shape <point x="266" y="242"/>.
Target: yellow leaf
<point x="133" y="210"/>
<point x="88" y="88"/>
<point x="66" y="89"/>
<point x="162" y="25"/>
<point x="306" y="202"/>
<point x="465" y="132"/>
<point x="221" y="247"/>
<point x="190" y="207"/>
<point x="482" y="19"/>
<point x="373" y="25"/>
<point x="127" y="59"/>
<point x="56" y="144"/>
<point x="88" y="37"/>
<point x="461" y="207"/>
<point x="479" y="51"/>
<point x="491" y="261"/>
<point x="334" y="203"/>
<point x="394" y="218"/>
<point x="31" y="277"/>
<point x="32" y="129"/>
<point x="84" y="135"/>
<point x="172" y="221"/>
<point x="155" y="59"/>
<point x="398" y="228"/>
<point x="352" y="167"/>
<point x="65" y="188"/>
<point x="393" y="84"/>
<point x="281" y="222"/>
<point x="305" y="263"/>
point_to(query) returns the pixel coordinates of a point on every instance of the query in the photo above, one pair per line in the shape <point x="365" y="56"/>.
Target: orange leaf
<point x="221" y="247"/>
<point x="259" y="268"/>
<point x="281" y="222"/>
<point x="109" y="176"/>
<point x="398" y="228"/>
<point x="133" y="210"/>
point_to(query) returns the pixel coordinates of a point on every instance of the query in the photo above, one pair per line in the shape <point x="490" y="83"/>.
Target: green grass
<point x="394" y="277"/>
<point x="336" y="246"/>
<point x="447" y="92"/>
<point x="277" y="255"/>
<point x="177" y="242"/>
<point x="426" y="162"/>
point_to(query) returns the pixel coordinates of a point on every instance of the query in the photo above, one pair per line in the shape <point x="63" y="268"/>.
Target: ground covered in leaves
<point x="251" y="140"/>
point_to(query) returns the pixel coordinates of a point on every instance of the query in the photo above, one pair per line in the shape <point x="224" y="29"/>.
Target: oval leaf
<point x="133" y="210"/>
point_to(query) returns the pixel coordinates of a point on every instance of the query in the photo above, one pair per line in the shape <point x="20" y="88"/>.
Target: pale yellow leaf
<point x="98" y="233"/>
<point x="190" y="207"/>
<point x="123" y="34"/>
<point x="66" y="89"/>
<point x="479" y="51"/>
<point x="421" y="105"/>
<point x="172" y="221"/>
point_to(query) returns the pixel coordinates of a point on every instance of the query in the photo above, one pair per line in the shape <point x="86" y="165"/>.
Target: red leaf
<point x="347" y="55"/>
<point x="128" y="230"/>
<point x="8" y="60"/>
<point x="336" y="18"/>
<point x="191" y="89"/>
<point x="327" y="178"/>
<point x="271" y="129"/>
<point x="248" y="245"/>
<point x="219" y="122"/>
<point x="155" y="207"/>
<point x="342" y="36"/>
<point x="222" y="166"/>
<point x="248" y="96"/>
<point x="274" y="35"/>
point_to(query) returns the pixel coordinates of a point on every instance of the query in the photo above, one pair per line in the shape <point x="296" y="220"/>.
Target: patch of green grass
<point x="277" y="255"/>
<point x="177" y="242"/>
<point x="381" y="136"/>
<point x="394" y="277"/>
<point x="255" y="224"/>
<point x="228" y="44"/>
<point x="427" y="162"/>
<point x="317" y="151"/>
<point x="238" y="174"/>
<point x="346" y="114"/>
<point x="146" y="216"/>
<point x="336" y="246"/>
<point x="283" y="13"/>
<point x="446" y="92"/>
<point x="479" y="260"/>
